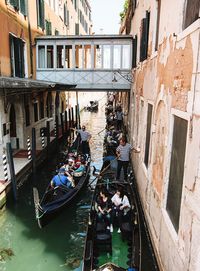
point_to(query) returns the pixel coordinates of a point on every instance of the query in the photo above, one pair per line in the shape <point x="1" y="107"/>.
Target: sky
<point x="105" y="16"/>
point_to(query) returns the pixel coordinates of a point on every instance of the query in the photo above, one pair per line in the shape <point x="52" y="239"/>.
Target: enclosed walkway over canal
<point x="93" y="63"/>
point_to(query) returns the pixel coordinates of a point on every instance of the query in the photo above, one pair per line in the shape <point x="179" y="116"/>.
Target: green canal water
<point x="58" y="246"/>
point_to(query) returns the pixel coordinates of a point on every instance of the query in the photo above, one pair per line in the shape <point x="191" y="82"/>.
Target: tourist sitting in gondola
<point x="61" y="179"/>
<point x="104" y="207"/>
<point x="121" y="207"/>
<point x="69" y="166"/>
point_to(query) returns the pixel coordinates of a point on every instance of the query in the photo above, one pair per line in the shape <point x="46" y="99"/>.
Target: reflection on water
<point x="59" y="246"/>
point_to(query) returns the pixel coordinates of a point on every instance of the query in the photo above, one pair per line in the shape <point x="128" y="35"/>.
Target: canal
<point x="58" y="246"/>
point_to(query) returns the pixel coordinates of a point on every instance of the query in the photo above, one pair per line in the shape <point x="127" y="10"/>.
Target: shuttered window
<point x="177" y="170"/>
<point x="20" y="5"/>
<point x="144" y="37"/>
<point x="134" y="63"/>
<point x="48" y="27"/>
<point x="17" y="56"/>
<point x="148" y="134"/>
<point x="40" y="13"/>
<point x="192" y="12"/>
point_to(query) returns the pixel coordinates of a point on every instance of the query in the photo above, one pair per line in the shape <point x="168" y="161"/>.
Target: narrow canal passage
<point x="59" y="246"/>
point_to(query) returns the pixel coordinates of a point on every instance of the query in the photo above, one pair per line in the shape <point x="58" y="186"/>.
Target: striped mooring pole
<point x="43" y="142"/>
<point x="29" y="148"/>
<point x="5" y="169"/>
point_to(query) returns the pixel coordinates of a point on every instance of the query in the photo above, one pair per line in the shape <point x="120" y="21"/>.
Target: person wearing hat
<point x="61" y="180"/>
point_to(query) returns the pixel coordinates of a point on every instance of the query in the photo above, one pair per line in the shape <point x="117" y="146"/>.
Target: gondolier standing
<point x="85" y="138"/>
<point x="123" y="155"/>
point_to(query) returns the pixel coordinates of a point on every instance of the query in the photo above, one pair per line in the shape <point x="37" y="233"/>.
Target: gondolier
<point x="85" y="138"/>
<point x="123" y="153"/>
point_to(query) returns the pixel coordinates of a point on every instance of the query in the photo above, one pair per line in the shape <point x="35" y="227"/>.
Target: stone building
<point x="24" y="101"/>
<point x="164" y="124"/>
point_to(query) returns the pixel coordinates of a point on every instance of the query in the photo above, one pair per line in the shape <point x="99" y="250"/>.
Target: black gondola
<point x="54" y="199"/>
<point x="100" y="241"/>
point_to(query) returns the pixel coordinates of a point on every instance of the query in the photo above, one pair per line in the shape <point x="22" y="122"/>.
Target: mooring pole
<point x="72" y="109"/>
<point x="33" y="150"/>
<point x="76" y="115"/>
<point x="12" y="170"/>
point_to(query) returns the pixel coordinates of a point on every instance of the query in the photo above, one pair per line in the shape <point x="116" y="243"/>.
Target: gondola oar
<point x="102" y="172"/>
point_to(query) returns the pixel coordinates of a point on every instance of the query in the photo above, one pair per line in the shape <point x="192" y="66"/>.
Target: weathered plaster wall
<point x="170" y="80"/>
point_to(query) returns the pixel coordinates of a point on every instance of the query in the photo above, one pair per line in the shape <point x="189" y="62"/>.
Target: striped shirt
<point x="124" y="151"/>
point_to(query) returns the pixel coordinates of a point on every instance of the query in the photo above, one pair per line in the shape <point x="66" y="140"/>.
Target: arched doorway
<point x="12" y="119"/>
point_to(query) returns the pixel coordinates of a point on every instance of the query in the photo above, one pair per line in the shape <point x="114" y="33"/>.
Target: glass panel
<point x="68" y="56"/>
<point x="60" y="56"/>
<point x="41" y="56"/>
<point x="78" y="56"/>
<point x="98" y="56"/>
<point x="87" y="57"/>
<point x="106" y="56"/>
<point x="125" y="56"/>
<point x="117" y="56"/>
<point x="50" y="56"/>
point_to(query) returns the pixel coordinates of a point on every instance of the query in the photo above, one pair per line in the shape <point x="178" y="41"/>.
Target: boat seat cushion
<point x="103" y="237"/>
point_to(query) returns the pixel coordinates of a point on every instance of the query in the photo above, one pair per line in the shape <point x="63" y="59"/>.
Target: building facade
<point x="20" y="23"/>
<point x="164" y="123"/>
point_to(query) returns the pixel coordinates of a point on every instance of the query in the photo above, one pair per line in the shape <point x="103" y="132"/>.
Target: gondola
<point x="93" y="107"/>
<point x="105" y="250"/>
<point x="55" y="199"/>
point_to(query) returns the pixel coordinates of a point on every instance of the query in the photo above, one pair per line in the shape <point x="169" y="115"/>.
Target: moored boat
<point x="56" y="198"/>
<point x="107" y="250"/>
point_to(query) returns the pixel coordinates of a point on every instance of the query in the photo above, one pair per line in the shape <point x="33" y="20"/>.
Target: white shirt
<point x="117" y="200"/>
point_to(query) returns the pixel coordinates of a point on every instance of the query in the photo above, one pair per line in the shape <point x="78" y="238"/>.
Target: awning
<point x="28" y="85"/>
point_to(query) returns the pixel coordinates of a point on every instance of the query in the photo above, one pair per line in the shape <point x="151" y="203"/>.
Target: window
<point x="17" y="57"/>
<point x="66" y="15"/>
<point x="87" y="56"/>
<point x="106" y="56"/>
<point x="98" y="50"/>
<point x="176" y="170"/>
<point x="56" y="32"/>
<point x="77" y="29"/>
<point x="125" y="57"/>
<point x="41" y="56"/>
<point x="68" y="56"/>
<point x="60" y="56"/>
<point x="40" y="13"/>
<point x="148" y="134"/>
<point x="117" y="56"/>
<point x="50" y="56"/>
<point x="35" y="106"/>
<point x="144" y="37"/>
<point x="20" y="5"/>
<point x="78" y="56"/>
<point x="157" y="24"/>
<point x="191" y="12"/>
<point x="48" y="27"/>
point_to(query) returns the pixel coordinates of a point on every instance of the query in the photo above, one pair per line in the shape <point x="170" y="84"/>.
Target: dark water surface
<point x="58" y="246"/>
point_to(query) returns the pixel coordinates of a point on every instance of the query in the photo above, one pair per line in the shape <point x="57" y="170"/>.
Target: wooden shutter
<point x="42" y="14"/>
<point x="11" y="40"/>
<point x="134" y="62"/>
<point x="23" y="7"/>
<point x="144" y="37"/>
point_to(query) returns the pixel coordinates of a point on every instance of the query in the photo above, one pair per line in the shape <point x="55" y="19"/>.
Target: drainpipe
<point x="30" y="43"/>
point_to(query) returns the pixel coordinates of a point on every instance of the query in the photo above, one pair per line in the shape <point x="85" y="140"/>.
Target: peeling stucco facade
<point x="169" y="80"/>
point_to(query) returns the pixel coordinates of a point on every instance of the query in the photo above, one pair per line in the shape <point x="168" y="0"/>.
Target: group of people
<point x="73" y="167"/>
<point x="112" y="208"/>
